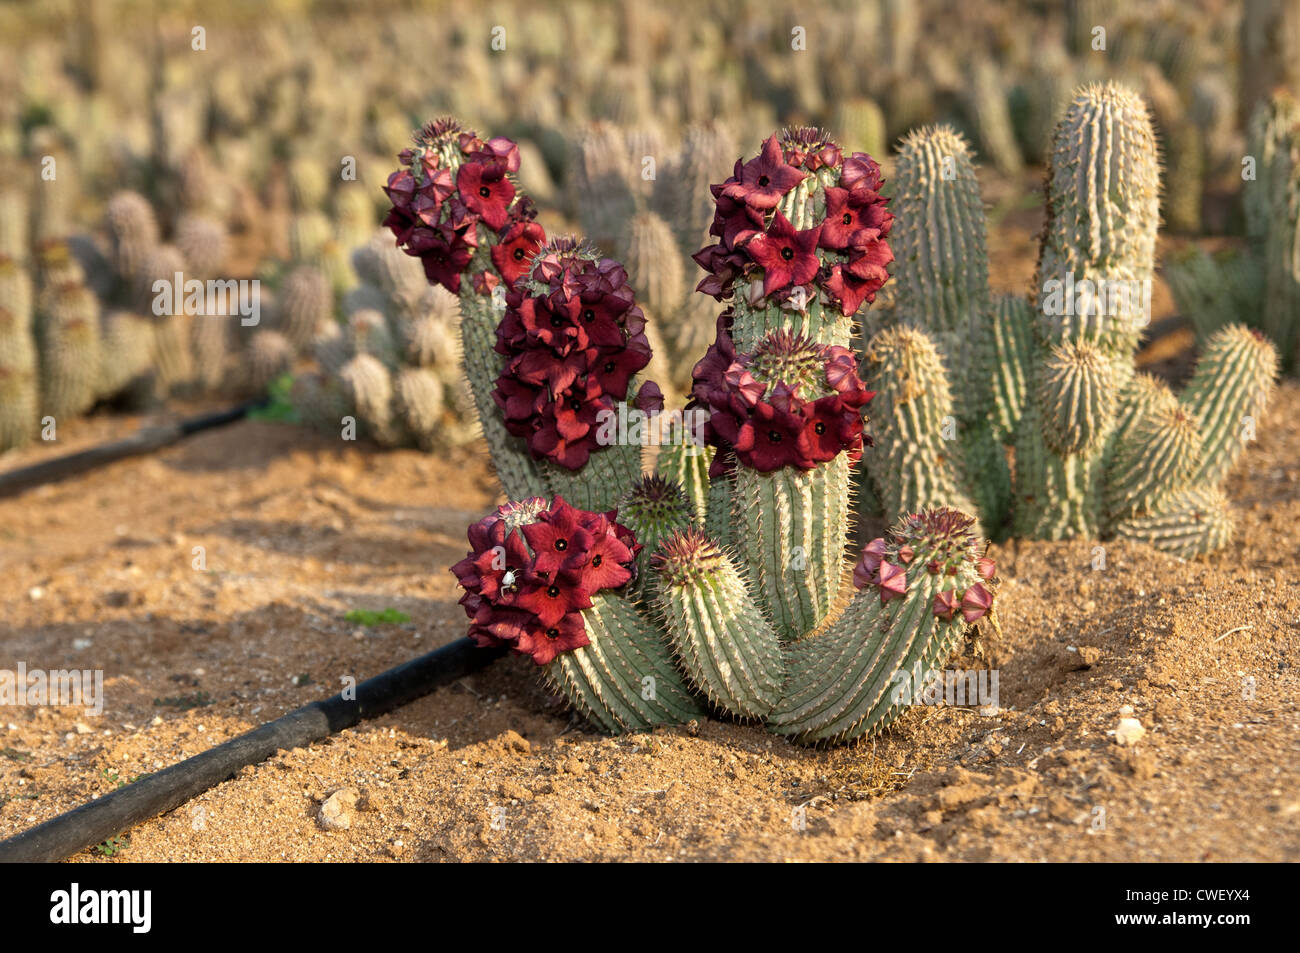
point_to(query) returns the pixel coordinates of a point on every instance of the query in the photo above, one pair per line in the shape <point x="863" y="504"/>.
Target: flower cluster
<point x="533" y="567"/>
<point x="844" y="255"/>
<point x="573" y="337"/>
<point x="791" y="403"/>
<point x="944" y="535"/>
<point x="450" y="183"/>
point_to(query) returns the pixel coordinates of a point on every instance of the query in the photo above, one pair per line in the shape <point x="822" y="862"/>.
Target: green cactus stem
<point x="1159" y="457"/>
<point x="914" y="464"/>
<point x="1076" y="396"/>
<point x="687" y="464"/>
<point x="1229" y="392"/>
<point x="858" y="676"/>
<point x="722" y="639"/>
<point x="791" y="529"/>
<point x="68" y="335"/>
<point x="1006" y="354"/>
<point x="1187" y="523"/>
<point x="624" y="679"/>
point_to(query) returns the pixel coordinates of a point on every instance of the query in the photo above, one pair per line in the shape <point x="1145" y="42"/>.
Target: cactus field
<point x="849" y="431"/>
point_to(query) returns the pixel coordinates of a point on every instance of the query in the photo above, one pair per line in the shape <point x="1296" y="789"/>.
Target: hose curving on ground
<point x="96" y="821"/>
<point x="146" y="440"/>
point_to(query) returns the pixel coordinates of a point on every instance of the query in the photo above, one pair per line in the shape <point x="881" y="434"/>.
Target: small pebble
<point x="1129" y="731"/>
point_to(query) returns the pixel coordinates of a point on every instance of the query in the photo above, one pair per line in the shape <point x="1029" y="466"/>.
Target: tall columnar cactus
<point x="18" y="357"/>
<point x="749" y="566"/>
<point x="68" y="338"/>
<point x="1099" y="449"/>
<point x="1260" y="284"/>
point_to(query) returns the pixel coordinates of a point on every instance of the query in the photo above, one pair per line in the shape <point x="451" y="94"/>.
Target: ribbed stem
<point x="519" y="476"/>
<point x="845" y="681"/>
<point x="624" y="680"/>
<point x="726" y="645"/>
<point x="792" y="526"/>
<point x="1229" y="392"/>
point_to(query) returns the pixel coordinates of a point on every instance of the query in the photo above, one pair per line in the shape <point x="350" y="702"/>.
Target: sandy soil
<point x="99" y="574"/>
<point x="296" y="530"/>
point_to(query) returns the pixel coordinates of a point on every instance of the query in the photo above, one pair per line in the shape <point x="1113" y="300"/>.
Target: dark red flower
<point x="976" y="602"/>
<point x="867" y="571"/>
<point x="650" y="399"/>
<point x="893" y="581"/>
<point x="763" y="180"/>
<point x="861" y="171"/>
<point x="534" y="567"/>
<point x="513" y="255"/>
<point x="769" y="439"/>
<point x="946" y="604"/>
<point x="444" y="259"/>
<point x="786" y="255"/>
<point x="544" y="643"/>
<point x="486" y="191"/>
<point x="848" y="213"/>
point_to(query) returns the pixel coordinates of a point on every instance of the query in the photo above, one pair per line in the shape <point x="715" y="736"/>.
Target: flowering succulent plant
<point x="743" y="573"/>
<point x="455" y="192"/>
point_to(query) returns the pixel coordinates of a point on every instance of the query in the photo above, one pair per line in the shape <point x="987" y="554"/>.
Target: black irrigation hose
<point x="146" y="440"/>
<point x="96" y="821"/>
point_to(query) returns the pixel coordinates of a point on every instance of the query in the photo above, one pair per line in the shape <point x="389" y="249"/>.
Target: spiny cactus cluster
<point x="1260" y="283"/>
<point x="394" y="364"/>
<point x="642" y="605"/>
<point x="1099" y="449"/>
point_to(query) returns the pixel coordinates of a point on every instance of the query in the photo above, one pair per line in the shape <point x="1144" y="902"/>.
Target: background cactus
<point x="1096" y="447"/>
<point x="1259" y="284"/>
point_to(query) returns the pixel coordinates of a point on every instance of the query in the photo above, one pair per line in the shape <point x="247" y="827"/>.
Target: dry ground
<point x="99" y="573"/>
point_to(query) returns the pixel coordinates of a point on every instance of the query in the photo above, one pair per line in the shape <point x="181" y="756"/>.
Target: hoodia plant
<point x="964" y="376"/>
<point x="642" y="602"/>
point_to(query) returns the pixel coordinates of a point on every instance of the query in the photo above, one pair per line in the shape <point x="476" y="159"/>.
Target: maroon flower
<point x="544" y="643"/>
<point x="861" y="172"/>
<point x="650" y="399"/>
<point x="486" y="191"/>
<point x="946" y="604"/>
<point x="572" y="346"/>
<point x="770" y="439"/>
<point x="975" y="602"/>
<point x="519" y="242"/>
<point x="444" y="259"/>
<point x="533" y="567"/>
<point x="786" y="255"/>
<point x="437" y="209"/>
<point x="762" y="181"/>
<point x="893" y="581"/>
<point x="867" y="571"/>
<point x="848" y="213"/>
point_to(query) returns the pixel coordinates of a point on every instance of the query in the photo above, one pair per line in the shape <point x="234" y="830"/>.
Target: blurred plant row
<point x="140" y="139"/>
